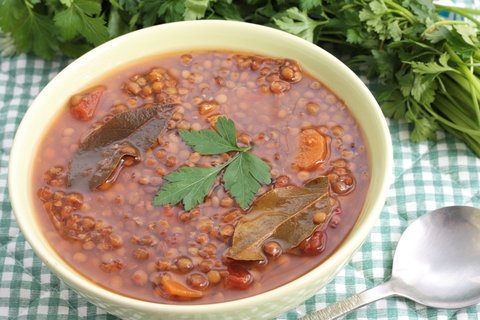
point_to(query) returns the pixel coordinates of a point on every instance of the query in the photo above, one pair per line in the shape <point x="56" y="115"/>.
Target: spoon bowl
<point x="437" y="260"/>
<point x="436" y="263"/>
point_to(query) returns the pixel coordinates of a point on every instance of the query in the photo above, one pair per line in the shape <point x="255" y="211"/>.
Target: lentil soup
<point x="117" y="238"/>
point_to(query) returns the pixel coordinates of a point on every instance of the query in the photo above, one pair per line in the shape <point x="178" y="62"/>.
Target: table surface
<point x="427" y="175"/>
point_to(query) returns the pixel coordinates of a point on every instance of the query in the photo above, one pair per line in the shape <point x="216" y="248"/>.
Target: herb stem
<point x="462" y="82"/>
<point x="448" y="109"/>
<point x="462" y="112"/>
<point x="463" y="68"/>
<point x="456" y="92"/>
<point x="476" y="55"/>
<point x="231" y="159"/>
<point x="448" y="23"/>
<point x="472" y="143"/>
<point x="467" y="13"/>
<point x="246" y="149"/>
<point x="330" y="40"/>
<point x="401" y="11"/>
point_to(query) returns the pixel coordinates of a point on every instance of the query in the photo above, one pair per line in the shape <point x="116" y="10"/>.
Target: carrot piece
<point x="313" y="149"/>
<point x="176" y="289"/>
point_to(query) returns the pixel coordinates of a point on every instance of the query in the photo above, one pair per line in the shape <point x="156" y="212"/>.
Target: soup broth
<point x="116" y="237"/>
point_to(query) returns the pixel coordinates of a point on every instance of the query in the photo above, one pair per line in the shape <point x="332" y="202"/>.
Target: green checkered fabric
<point x="427" y="176"/>
<point x="28" y="290"/>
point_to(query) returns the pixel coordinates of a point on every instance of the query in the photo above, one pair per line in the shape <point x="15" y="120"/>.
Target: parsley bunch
<point x="421" y="66"/>
<point x="243" y="173"/>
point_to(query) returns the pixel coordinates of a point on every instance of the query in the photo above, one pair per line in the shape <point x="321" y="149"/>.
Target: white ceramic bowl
<point x="184" y="36"/>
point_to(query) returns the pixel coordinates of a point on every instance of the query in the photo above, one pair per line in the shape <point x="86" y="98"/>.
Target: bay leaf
<point x="101" y="154"/>
<point x="284" y="215"/>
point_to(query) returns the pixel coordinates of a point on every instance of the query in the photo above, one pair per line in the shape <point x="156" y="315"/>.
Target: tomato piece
<point x="238" y="277"/>
<point x="83" y="105"/>
<point x="315" y="244"/>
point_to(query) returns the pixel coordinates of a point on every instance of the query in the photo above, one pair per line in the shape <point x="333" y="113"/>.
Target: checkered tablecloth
<point x="427" y="176"/>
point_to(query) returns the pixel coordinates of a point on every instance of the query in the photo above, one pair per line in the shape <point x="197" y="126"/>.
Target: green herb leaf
<point x="195" y="9"/>
<point x="226" y="129"/>
<point x="309" y="4"/>
<point x="423" y="128"/>
<point x="392" y="106"/>
<point x="244" y="176"/>
<point x="433" y="67"/>
<point x="395" y="31"/>
<point x="162" y="11"/>
<point x="7" y="45"/>
<point x="424" y="89"/>
<point x="298" y="23"/>
<point x="468" y="33"/>
<point x="187" y="185"/>
<point x="82" y="17"/>
<point x="31" y="30"/>
<point x="378" y="7"/>
<point x="208" y="142"/>
<point x="227" y="11"/>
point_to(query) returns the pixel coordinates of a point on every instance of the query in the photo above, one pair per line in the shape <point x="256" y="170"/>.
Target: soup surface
<point x="115" y="234"/>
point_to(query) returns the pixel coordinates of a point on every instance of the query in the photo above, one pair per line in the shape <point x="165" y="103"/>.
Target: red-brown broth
<point x="127" y="208"/>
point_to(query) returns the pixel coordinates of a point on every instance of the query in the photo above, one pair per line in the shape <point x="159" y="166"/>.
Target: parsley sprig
<point x="243" y="173"/>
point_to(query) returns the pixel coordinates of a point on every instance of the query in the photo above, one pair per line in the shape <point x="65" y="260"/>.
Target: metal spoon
<point x="436" y="263"/>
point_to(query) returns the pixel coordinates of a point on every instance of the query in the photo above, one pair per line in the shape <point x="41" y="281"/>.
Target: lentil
<point x="141" y="254"/>
<point x="272" y="248"/>
<point x="214" y="276"/>
<point x="319" y="217"/>
<point x="140" y="278"/>
<point x="226" y="202"/>
<point x="184" y="264"/>
<point x="197" y="281"/>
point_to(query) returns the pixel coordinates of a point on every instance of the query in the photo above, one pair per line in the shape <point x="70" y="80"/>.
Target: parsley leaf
<point x="7" y="45"/>
<point x="187" y="185"/>
<point x="82" y="17"/>
<point x="298" y="23"/>
<point x="21" y="20"/>
<point x="227" y="11"/>
<point x="162" y="10"/>
<point x="423" y="127"/>
<point x="195" y="9"/>
<point x="243" y="175"/>
<point x="226" y="129"/>
<point x="207" y="142"/>
<point x="423" y="89"/>
<point x="309" y="4"/>
<point x="433" y="67"/>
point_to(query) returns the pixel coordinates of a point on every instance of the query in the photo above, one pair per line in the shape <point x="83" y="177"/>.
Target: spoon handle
<point x="340" y="308"/>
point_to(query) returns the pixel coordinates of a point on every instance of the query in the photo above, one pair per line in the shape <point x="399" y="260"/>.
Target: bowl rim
<point x="350" y="245"/>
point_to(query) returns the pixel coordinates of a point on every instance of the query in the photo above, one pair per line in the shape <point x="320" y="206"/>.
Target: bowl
<point x="184" y="36"/>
